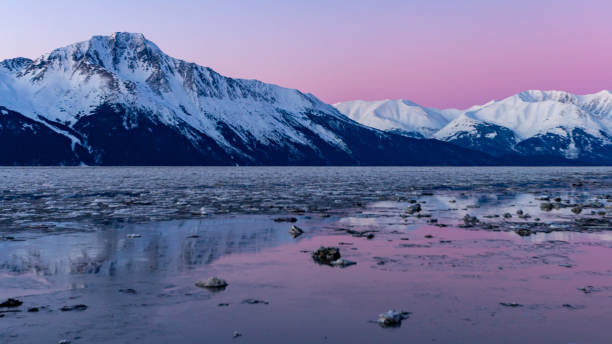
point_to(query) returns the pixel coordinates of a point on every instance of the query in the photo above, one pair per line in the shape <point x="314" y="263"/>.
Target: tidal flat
<point x="469" y="255"/>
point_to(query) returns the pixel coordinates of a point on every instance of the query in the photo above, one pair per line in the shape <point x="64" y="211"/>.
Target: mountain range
<point x="120" y="100"/>
<point x="553" y="124"/>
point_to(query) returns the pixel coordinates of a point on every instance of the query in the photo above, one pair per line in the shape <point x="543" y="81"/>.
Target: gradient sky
<point x="434" y="52"/>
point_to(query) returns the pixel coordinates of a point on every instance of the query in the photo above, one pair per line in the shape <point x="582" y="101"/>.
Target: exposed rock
<point x="577" y="209"/>
<point x="392" y="318"/>
<point x="343" y="262"/>
<point x="470" y="220"/>
<point x="133" y="236"/>
<point x="236" y="334"/>
<point x="223" y="305"/>
<point x="73" y="308"/>
<point x="33" y="310"/>
<point x="11" y="303"/>
<point x="295" y="231"/>
<point x="413" y="209"/>
<point x="510" y="304"/>
<point x="127" y="291"/>
<point x="255" y="302"/>
<point x="212" y="283"/>
<point x="285" y="219"/>
<point x="524" y="232"/>
<point x="546" y="206"/>
<point x="571" y="307"/>
<point x="588" y="289"/>
<point x="507" y="216"/>
<point x="519" y="212"/>
<point x="326" y="255"/>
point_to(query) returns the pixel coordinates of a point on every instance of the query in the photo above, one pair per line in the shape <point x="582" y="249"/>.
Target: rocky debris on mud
<point x="524" y="232"/>
<point x="223" y="305"/>
<point x="236" y="334"/>
<point x="33" y="310"/>
<point x="511" y="304"/>
<point x="78" y="308"/>
<point x="128" y="291"/>
<point x="295" y="231"/>
<point x="507" y="216"/>
<point x="8" y="238"/>
<point x="577" y="209"/>
<point x="343" y="262"/>
<point x="470" y="221"/>
<point x="285" y="219"/>
<point x="369" y="234"/>
<point x="413" y="209"/>
<point x="255" y="302"/>
<point x="547" y="206"/>
<point x="64" y="341"/>
<point x="519" y="212"/>
<point x="592" y="224"/>
<point x="326" y="255"/>
<point x="392" y="318"/>
<point x="133" y="236"/>
<point x="11" y="303"/>
<point x="588" y="289"/>
<point x="213" y="283"/>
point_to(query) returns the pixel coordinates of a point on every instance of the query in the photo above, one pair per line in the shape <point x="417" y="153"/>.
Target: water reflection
<point x="164" y="248"/>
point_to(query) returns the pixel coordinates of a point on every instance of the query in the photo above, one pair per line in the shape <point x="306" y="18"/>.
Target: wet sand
<point x="461" y="285"/>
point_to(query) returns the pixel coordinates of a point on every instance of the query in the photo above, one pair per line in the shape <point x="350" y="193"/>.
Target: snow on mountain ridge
<point x="126" y="68"/>
<point x="528" y="113"/>
<point x="531" y="122"/>
<point x="397" y="114"/>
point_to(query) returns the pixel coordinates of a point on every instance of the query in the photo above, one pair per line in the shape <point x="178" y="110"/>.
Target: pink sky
<point x="436" y="53"/>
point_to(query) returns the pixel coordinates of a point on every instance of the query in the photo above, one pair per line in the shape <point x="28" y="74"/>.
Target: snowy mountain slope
<point x="119" y="100"/>
<point x="400" y="115"/>
<point x="529" y="123"/>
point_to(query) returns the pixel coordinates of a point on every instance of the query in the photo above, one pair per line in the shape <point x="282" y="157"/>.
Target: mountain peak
<point x="532" y="96"/>
<point x="127" y="36"/>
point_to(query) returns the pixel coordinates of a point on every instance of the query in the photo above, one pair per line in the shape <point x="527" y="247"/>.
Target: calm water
<point x="70" y="244"/>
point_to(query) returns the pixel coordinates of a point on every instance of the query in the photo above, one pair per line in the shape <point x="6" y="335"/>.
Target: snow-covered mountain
<point x="118" y="99"/>
<point x="531" y="123"/>
<point x="399" y="115"/>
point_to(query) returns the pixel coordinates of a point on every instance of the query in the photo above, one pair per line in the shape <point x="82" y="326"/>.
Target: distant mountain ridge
<point x="119" y="100"/>
<point x="532" y="123"/>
